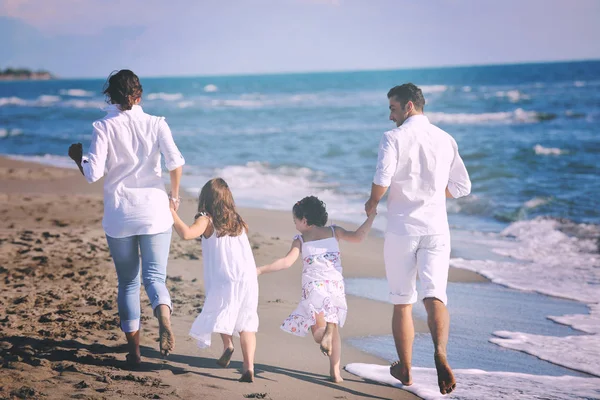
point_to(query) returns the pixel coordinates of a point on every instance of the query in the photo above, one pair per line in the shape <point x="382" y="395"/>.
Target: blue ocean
<point x="529" y="135"/>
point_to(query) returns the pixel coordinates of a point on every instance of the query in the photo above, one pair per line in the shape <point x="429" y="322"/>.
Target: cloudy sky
<point x="89" y="38"/>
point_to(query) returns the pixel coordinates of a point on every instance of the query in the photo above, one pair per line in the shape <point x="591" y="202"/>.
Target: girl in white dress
<point x="323" y="305"/>
<point x="230" y="277"/>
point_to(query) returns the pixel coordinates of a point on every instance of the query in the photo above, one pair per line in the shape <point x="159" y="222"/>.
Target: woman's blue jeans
<point x="154" y="251"/>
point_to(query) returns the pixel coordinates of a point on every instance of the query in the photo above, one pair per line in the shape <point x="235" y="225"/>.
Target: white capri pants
<point x="404" y="256"/>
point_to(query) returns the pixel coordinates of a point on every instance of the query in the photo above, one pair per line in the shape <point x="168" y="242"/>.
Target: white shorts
<point x="404" y="256"/>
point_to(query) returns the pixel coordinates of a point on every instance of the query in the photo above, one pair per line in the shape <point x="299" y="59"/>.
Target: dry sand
<point x="59" y="333"/>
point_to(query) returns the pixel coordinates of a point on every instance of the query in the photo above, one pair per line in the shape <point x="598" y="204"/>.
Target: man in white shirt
<point x="420" y="166"/>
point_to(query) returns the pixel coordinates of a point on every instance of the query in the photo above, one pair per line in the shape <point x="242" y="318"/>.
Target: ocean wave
<point x="547" y="151"/>
<point x="46" y="159"/>
<point x="51" y="101"/>
<point x="210" y="88"/>
<point x="164" y="96"/>
<point x="185" y="104"/>
<point x="478" y="384"/>
<point x="558" y="258"/>
<point x="76" y="93"/>
<point x="427" y="89"/>
<point x="6" y="132"/>
<point x="535" y="202"/>
<point x="261" y="185"/>
<point x="514" y="96"/>
<point x="517" y="116"/>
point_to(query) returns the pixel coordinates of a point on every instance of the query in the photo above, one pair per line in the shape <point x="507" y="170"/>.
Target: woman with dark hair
<point x="126" y="148"/>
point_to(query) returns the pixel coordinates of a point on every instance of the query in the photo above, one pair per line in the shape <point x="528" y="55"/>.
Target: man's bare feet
<point x="446" y="380"/>
<point x="247" y="377"/>
<point x="166" y="337"/>
<point x="225" y="357"/>
<point x="327" y="341"/>
<point x="401" y="372"/>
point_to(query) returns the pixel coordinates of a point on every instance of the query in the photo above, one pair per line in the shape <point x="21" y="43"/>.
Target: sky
<point x="90" y="38"/>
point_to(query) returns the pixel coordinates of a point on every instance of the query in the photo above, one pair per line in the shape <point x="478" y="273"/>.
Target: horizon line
<point x="310" y="72"/>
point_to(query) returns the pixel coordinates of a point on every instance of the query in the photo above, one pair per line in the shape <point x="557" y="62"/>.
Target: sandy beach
<point x="59" y="334"/>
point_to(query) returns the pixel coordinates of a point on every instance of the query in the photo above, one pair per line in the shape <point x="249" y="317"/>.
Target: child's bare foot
<point x="327" y="341"/>
<point x="247" y="377"/>
<point x="335" y="376"/>
<point x="225" y="357"/>
<point x="133" y="361"/>
<point x="446" y="380"/>
<point x="401" y="372"/>
<point x="167" y="339"/>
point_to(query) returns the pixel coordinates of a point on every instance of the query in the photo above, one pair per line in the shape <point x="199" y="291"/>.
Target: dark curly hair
<point x="408" y="92"/>
<point x="312" y="209"/>
<point x="123" y="88"/>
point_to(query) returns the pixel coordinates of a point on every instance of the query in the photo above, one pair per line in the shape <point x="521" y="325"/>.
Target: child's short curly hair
<point x="312" y="209"/>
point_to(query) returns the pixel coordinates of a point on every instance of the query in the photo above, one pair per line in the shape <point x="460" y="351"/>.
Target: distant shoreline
<point x="11" y="74"/>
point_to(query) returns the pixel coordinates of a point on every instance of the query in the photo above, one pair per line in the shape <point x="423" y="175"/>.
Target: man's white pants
<point x="405" y="256"/>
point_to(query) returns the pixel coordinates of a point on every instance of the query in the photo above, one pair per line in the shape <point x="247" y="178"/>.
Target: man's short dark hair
<point x="408" y="92"/>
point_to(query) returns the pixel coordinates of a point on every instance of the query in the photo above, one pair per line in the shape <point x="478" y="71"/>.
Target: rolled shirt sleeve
<point x="95" y="164"/>
<point x="459" y="183"/>
<point x="168" y="148"/>
<point x="387" y="160"/>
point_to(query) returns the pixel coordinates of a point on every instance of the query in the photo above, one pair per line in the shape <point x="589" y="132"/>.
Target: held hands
<point x="76" y="152"/>
<point x="174" y="202"/>
<point x="371" y="207"/>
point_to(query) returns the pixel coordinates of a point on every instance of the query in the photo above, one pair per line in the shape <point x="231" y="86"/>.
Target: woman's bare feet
<point x="165" y="334"/>
<point x="446" y="380"/>
<point x="225" y="357"/>
<point x="247" y="377"/>
<point x="401" y="372"/>
<point x="327" y="341"/>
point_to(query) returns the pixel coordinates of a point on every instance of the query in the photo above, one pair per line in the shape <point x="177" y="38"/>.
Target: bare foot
<point x="247" y="377"/>
<point x="167" y="339"/>
<point x="446" y="380"/>
<point x="133" y="361"/>
<point x="225" y="358"/>
<point x="401" y="372"/>
<point x="327" y="341"/>
<point x="335" y="376"/>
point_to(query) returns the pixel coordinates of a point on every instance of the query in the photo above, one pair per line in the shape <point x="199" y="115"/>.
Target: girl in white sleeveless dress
<point x="230" y="277"/>
<point x="322" y="308"/>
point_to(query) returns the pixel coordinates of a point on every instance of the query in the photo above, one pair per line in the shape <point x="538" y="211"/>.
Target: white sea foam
<point x="514" y="96"/>
<point x="51" y="101"/>
<point x="185" y="104"/>
<point x="80" y="103"/>
<point x="47" y="159"/>
<point x="579" y="83"/>
<point x="433" y="88"/>
<point x="474" y="384"/>
<point x="517" y="116"/>
<point x="210" y="88"/>
<point x="585" y="323"/>
<point x="547" y="151"/>
<point x="76" y="93"/>
<point x="566" y="351"/>
<point x="548" y="261"/>
<point x="46" y="99"/>
<point x="263" y="186"/>
<point x="536" y="202"/>
<point x="5" y="132"/>
<point x="12" y="101"/>
<point x="164" y="96"/>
